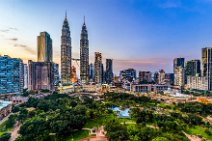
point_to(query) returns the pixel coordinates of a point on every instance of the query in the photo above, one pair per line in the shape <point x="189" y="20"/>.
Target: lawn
<point x="98" y="121"/>
<point x="78" y="135"/>
<point x="198" y="130"/>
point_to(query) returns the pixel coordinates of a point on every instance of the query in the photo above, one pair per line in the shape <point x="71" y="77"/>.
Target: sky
<point x="140" y="34"/>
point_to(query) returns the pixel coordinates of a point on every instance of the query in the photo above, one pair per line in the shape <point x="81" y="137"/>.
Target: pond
<point x="121" y="113"/>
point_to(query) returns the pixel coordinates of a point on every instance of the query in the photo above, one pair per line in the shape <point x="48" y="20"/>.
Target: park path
<point x="14" y="133"/>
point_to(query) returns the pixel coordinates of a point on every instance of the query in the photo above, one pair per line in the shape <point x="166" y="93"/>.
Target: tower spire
<point x="66" y="15"/>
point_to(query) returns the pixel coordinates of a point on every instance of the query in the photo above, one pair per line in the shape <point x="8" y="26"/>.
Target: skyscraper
<point x="98" y="67"/>
<point x="161" y="76"/>
<point x="44" y="43"/>
<point x="207" y="65"/>
<point x="84" y="54"/>
<point x="193" y="68"/>
<point x="102" y="73"/>
<point x="179" y="76"/>
<point x="11" y="75"/>
<point x="91" y="72"/>
<point x="66" y="54"/>
<point x="109" y="71"/>
<point x="41" y="75"/>
<point x="179" y="62"/>
<point x="25" y="75"/>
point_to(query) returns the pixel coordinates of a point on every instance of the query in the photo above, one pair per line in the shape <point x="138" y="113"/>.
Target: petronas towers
<point x="66" y="54"/>
<point x="84" y="54"/>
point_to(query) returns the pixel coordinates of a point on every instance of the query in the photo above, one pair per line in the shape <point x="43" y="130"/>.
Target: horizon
<point x="144" y="35"/>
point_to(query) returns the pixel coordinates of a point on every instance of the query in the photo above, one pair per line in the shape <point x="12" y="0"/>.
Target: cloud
<point x="25" y="47"/>
<point x="6" y="30"/>
<point x="13" y="39"/>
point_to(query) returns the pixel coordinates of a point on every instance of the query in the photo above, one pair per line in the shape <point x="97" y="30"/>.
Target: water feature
<point x="121" y="113"/>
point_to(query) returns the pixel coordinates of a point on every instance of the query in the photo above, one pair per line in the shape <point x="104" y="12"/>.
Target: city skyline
<point x="140" y="30"/>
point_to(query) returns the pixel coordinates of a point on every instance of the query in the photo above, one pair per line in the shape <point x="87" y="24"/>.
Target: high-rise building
<point x="155" y="77"/>
<point x="169" y="78"/>
<point x="128" y="75"/>
<point x="56" y="73"/>
<point x="11" y="75"/>
<point x="192" y="68"/>
<point x="178" y="66"/>
<point x="102" y="73"/>
<point x="66" y="53"/>
<point x="98" y="67"/>
<point x="179" y="62"/>
<point x="25" y="75"/>
<point x="109" y="71"/>
<point x="84" y="54"/>
<point x="44" y="43"/>
<point x="197" y="82"/>
<point x="74" y="75"/>
<point x="91" y="72"/>
<point x="145" y="76"/>
<point x="161" y="76"/>
<point x="41" y="75"/>
<point x="179" y="76"/>
<point x="207" y="65"/>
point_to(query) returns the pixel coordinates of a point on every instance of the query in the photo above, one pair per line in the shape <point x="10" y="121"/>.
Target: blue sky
<point x="143" y="34"/>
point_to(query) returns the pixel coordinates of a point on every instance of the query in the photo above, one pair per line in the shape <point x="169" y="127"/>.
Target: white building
<point x="145" y="88"/>
<point x="199" y="83"/>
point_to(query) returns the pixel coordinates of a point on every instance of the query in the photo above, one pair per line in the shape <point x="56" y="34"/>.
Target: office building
<point x="109" y="71"/>
<point x="179" y="76"/>
<point x="145" y="76"/>
<point x="197" y="82"/>
<point x="178" y="62"/>
<point x="207" y="65"/>
<point x="98" y="67"/>
<point x="44" y="44"/>
<point x="56" y="73"/>
<point x="193" y="68"/>
<point x="66" y="53"/>
<point x="25" y="75"/>
<point x="84" y="55"/>
<point x="169" y="78"/>
<point x="91" y="72"/>
<point x="11" y="75"/>
<point x="41" y="75"/>
<point x="161" y="76"/>
<point x="128" y="75"/>
<point x="156" y="77"/>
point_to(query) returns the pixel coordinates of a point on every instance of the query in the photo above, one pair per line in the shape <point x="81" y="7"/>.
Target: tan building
<point x="179" y="76"/>
<point x="161" y="76"/>
<point x="44" y="43"/>
<point x="98" y="67"/>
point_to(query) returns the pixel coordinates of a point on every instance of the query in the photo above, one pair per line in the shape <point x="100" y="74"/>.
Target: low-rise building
<point x="145" y="88"/>
<point x="198" y="83"/>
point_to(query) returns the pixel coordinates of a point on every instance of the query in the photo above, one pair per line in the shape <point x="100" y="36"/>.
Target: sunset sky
<point x="142" y="34"/>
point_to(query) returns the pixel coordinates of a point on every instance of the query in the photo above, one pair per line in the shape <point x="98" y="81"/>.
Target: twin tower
<point x="66" y="54"/>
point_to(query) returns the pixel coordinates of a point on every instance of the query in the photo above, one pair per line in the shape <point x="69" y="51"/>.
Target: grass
<point x="78" y="135"/>
<point x="198" y="130"/>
